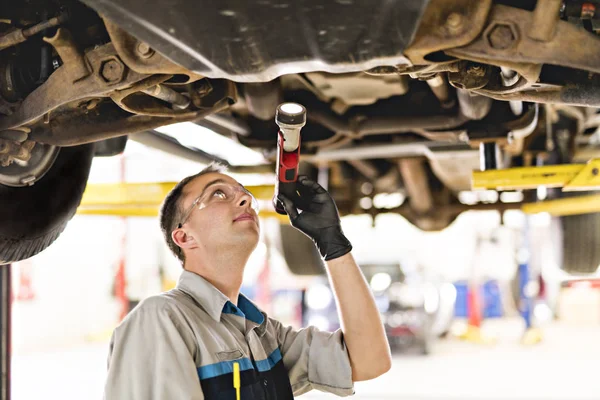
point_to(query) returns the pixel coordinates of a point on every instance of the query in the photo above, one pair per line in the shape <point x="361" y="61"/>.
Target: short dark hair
<point x="171" y="212"/>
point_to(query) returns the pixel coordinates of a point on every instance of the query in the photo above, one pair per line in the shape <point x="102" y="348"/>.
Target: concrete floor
<point x="562" y="367"/>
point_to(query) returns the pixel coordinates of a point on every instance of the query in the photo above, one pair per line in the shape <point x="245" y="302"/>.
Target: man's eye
<point x="220" y="194"/>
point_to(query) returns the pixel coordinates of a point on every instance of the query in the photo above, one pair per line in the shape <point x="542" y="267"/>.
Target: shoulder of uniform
<point x="152" y="306"/>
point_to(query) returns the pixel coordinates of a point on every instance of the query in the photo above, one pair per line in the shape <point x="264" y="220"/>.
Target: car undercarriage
<point x="403" y="97"/>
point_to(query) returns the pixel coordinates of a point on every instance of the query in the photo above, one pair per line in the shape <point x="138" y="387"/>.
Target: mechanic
<point x="182" y="344"/>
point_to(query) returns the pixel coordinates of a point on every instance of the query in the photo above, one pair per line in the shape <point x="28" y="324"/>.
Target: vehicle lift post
<point x="532" y="335"/>
<point x="5" y="330"/>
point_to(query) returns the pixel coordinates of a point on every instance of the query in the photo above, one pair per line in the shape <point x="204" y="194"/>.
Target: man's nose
<point x="244" y="200"/>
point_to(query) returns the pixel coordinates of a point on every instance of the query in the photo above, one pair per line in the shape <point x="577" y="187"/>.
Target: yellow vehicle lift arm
<point x="572" y="177"/>
<point x="144" y="199"/>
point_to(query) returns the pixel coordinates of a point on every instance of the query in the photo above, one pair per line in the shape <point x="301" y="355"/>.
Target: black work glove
<point x="318" y="218"/>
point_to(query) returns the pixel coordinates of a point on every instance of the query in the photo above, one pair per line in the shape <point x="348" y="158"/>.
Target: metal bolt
<point x="476" y="69"/>
<point x="144" y="50"/>
<point x="501" y="37"/>
<point x="454" y="21"/>
<point x="463" y="137"/>
<point x="112" y="71"/>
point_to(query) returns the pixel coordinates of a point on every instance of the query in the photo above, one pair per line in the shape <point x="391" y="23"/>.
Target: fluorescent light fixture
<point x="511" y="197"/>
<point x="366" y="203"/>
<point x="193" y="135"/>
<point x="388" y="200"/>
<point x="468" y="198"/>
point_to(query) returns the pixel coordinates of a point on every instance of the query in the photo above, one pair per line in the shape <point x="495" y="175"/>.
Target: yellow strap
<point x="236" y="380"/>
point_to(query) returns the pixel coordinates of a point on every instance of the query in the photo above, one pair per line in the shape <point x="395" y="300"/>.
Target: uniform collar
<point x="214" y="302"/>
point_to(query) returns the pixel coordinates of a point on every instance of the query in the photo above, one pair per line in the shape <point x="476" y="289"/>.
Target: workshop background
<point x="451" y="341"/>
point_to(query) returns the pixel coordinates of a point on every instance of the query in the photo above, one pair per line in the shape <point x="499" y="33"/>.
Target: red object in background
<point x="400" y="331"/>
<point x="25" y="290"/>
<point x="120" y="279"/>
<point x="120" y="285"/>
<point x="474" y="306"/>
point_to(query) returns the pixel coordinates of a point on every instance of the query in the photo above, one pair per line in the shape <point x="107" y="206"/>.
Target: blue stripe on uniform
<point x="252" y="313"/>
<point x="226" y="367"/>
<point x="222" y="368"/>
<point x="269" y="363"/>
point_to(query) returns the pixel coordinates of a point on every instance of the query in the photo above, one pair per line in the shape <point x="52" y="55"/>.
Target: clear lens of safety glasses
<point x="224" y="192"/>
<point x="219" y="193"/>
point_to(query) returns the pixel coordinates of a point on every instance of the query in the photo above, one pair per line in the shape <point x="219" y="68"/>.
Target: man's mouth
<point x="245" y="217"/>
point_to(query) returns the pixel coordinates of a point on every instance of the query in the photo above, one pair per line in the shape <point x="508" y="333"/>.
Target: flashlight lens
<point x="291" y="114"/>
<point x="291" y="108"/>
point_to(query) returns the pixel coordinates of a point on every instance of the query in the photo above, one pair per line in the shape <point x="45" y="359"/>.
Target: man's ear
<point x="182" y="239"/>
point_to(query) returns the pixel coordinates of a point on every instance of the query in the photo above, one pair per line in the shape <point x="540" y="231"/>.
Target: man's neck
<point x="224" y="270"/>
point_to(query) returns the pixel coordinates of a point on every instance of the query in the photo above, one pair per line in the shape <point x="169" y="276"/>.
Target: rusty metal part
<point x="447" y="24"/>
<point x="506" y="132"/>
<point x="18" y="173"/>
<point x="112" y="70"/>
<point x="545" y="18"/>
<point x="428" y="70"/>
<point x="168" y="95"/>
<point x="17" y="36"/>
<point x="11" y="150"/>
<point x="501" y="35"/>
<point x="416" y="183"/>
<point x="571" y="46"/>
<point x="12" y="38"/>
<point x="64" y="130"/>
<point x="199" y="90"/>
<point x="146" y="61"/>
<point x="439" y="87"/>
<point x="470" y="76"/>
<point x="581" y="95"/>
<point x="360" y="126"/>
<point x="144" y="50"/>
<point x="60" y="89"/>
<point x="135" y="101"/>
<point x="71" y="56"/>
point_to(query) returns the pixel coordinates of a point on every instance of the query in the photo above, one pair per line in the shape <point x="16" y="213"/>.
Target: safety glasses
<point x="217" y="194"/>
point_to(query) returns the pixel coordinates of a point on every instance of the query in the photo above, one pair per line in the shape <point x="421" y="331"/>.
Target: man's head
<point x="209" y="212"/>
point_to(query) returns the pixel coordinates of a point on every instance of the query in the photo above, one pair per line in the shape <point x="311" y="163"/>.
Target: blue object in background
<point x="525" y="302"/>
<point x="491" y="299"/>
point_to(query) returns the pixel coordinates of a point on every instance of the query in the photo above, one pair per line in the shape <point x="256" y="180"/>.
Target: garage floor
<point x="562" y="367"/>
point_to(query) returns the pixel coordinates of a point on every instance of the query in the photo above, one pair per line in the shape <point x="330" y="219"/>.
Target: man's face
<point x="219" y="221"/>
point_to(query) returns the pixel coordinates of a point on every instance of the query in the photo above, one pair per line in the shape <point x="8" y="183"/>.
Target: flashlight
<point x="290" y="117"/>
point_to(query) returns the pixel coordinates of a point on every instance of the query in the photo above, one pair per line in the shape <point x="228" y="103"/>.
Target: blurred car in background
<point x="414" y="312"/>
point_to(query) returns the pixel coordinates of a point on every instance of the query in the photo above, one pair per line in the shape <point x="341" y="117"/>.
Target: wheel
<point x="38" y="198"/>
<point x="299" y="252"/>
<point x="581" y="243"/>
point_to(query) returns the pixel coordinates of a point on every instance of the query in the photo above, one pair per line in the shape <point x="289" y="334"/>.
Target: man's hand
<point x="315" y="214"/>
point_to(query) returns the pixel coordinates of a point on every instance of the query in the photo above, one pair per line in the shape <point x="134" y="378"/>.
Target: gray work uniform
<point x="181" y="345"/>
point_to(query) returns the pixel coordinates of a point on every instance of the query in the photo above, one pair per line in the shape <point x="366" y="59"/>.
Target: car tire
<point x="300" y="253"/>
<point x="581" y="243"/>
<point x="32" y="217"/>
